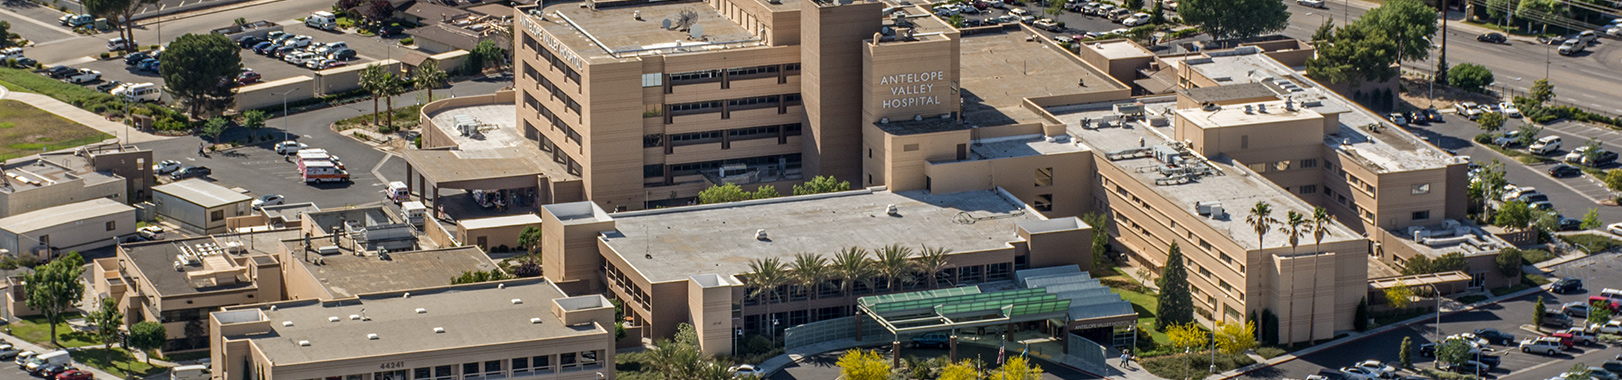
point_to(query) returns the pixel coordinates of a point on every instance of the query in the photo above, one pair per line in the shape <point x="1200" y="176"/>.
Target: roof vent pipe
<point x="760" y="235"/>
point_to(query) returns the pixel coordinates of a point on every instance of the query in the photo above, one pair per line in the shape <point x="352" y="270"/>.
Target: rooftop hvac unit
<point x="1204" y="208"/>
<point x="304" y="343"/>
<point x="372" y="336"/>
<point x="891" y="210"/>
<point x="333" y="319"/>
<point x="422" y="311"/>
<point x="287" y="323"/>
<point x="760" y="235"/>
<point x="518" y="301"/>
<point x="534" y="320"/>
<point x="439" y="330"/>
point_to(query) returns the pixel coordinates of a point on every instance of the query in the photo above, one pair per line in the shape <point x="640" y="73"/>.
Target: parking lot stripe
<point x="31" y="20"/>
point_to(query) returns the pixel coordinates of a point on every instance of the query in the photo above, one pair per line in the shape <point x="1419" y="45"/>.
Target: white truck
<point x="322" y="20"/>
<point x="84" y="76"/>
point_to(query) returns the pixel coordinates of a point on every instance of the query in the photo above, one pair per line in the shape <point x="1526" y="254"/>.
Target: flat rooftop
<point x="203" y="193"/>
<point x="472" y="316"/>
<point x="156" y="259"/>
<point x="1451" y="236"/>
<point x="501" y="152"/>
<point x="500" y="221"/>
<point x="349" y="275"/>
<point x="1235" y="187"/>
<point x="615" y="31"/>
<point x="1392" y="150"/>
<point x="64" y="214"/>
<point x="1009" y="66"/>
<point x="36" y="172"/>
<point x="1021" y="146"/>
<point x="1120" y="49"/>
<point x="672" y="244"/>
<point x="290" y="211"/>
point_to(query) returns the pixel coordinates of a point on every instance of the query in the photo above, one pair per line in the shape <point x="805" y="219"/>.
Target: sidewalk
<point x="81" y="116"/>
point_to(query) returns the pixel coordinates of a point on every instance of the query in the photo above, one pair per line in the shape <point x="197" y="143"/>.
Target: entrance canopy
<point x="961" y="307"/>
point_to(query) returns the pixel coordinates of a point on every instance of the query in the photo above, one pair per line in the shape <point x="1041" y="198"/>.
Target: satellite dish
<point x="697" y="32"/>
<point x="665" y="24"/>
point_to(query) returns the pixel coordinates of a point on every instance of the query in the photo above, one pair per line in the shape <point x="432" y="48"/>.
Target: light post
<point x="737" y="333"/>
<point x="1436" y="294"/>
<point x="285" y="115"/>
<point x="160" y="28"/>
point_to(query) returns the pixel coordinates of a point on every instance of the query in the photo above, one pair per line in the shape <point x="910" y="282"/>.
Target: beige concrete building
<point x="78" y="226"/>
<point x="683" y="265"/>
<point x="119" y="172"/>
<point x="509" y="329"/>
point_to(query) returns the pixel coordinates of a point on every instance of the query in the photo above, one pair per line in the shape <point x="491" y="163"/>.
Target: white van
<point x="322" y="20"/>
<point x="189" y="372"/>
<point x="142" y="92"/>
<point x="50" y="358"/>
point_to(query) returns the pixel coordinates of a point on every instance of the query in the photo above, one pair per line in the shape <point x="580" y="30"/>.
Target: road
<point x="1509" y="316"/>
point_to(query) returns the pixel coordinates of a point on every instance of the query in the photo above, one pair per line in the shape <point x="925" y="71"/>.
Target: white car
<point x="1134" y="21"/>
<point x="166" y="167"/>
<point x="1378" y="368"/>
<point x="1359" y="373"/>
<point x="745" y="370"/>
<point x="1614" y="228"/>
<point x="289" y="147"/>
<point x="1546" y="345"/>
<point x="11" y="52"/>
<point x="1510" y="109"/>
<point x="84" y="76"/>
<point x="298" y="59"/>
<point x="1610" y="327"/>
<point x="268" y="200"/>
<point x="150" y="232"/>
<point x="1312" y="3"/>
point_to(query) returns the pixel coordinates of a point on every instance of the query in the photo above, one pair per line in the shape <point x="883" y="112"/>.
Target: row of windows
<point x="702" y="76"/>
<point x="696" y="106"/>
<point x="553" y="118"/>
<point x="757" y="70"/>
<point x="789" y="162"/>
<point x="557" y="62"/>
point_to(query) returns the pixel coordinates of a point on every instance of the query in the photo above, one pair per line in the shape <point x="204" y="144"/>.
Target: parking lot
<point x="1075" y="23"/>
<point x="1512" y="316"/>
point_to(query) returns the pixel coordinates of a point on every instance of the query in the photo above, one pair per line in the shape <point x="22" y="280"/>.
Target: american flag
<point x="1000" y="349"/>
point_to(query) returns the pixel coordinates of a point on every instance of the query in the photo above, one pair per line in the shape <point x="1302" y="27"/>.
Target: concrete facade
<point x="79" y="226"/>
<point x="200" y="206"/>
<point x="118" y="172"/>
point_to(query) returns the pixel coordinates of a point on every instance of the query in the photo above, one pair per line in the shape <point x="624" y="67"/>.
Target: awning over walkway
<point x="960" y="307"/>
<point x="1091" y="303"/>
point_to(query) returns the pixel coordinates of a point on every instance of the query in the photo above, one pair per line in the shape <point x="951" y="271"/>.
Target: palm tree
<point x="391" y="87"/>
<point x="429" y="76"/>
<point x="895" y="263"/>
<point x="373" y="79"/>
<point x="931" y="262"/>
<point x="1261" y="220"/>
<point x="766" y="275"/>
<point x="1320" y="228"/>
<point x="851" y="265"/>
<point x="1295" y="227"/>
<point x="808" y="271"/>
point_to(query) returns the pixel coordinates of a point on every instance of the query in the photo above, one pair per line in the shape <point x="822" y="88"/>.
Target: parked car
<point x="84" y="76"/>
<point x="1612" y="366"/>
<point x="1599" y="373"/>
<point x="1614" y="228"/>
<point x="268" y="200"/>
<point x="1578" y="336"/>
<point x="1545" y="345"/>
<point x="1416" y="117"/>
<point x="149" y="64"/>
<point x="1508" y="139"/>
<point x="1553" y="318"/>
<point x="1545" y="145"/>
<point x="1434" y="115"/>
<point x="11" y="52"/>
<point x="1495" y="337"/>
<point x="390" y="31"/>
<point x="108" y="86"/>
<point x="190" y="172"/>
<point x="1533" y="198"/>
<point x="1470" y="367"/>
<point x="1563" y="223"/>
<point x="1468" y="109"/>
<point x="1566" y="285"/>
<point x="289" y="147"/>
<point x="119" y="43"/>
<point x="745" y="371"/>
<point x="249" y="41"/>
<point x="22" y="358"/>
<point x="1609" y="327"/>
<point x="1510" y="109"/>
<point x="261" y="47"/>
<point x="1493" y="38"/>
<point x="247" y="77"/>
<point x="344" y="54"/>
<point x="1398" y="119"/>
<point x="1563" y="170"/>
<point x="331" y="63"/>
<point x="166" y="166"/>
<point x="1571" y="47"/>
<point x="151" y="232"/>
<point x="7" y="351"/>
<point x="1312" y="3"/>
<point x="74" y="374"/>
<point x="1380" y="369"/>
<point x="934" y="339"/>
<point x="1359" y="373"/>
<point x="25" y="62"/>
<point x="59" y="72"/>
<point x="50" y="371"/>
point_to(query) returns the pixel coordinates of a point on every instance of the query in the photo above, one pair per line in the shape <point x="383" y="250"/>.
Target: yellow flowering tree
<point x="863" y="365"/>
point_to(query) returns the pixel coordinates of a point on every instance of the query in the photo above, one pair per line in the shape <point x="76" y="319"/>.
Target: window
<point x="1309" y="189"/>
<point x="909" y="147"/>
<point x="568" y="360"/>
<point x="1309" y="163"/>
<point x="216" y="216"/>
<point x="112" y="225"/>
<point x="1423" y="188"/>
<point x="1330" y="166"/>
<point x="1225" y="257"/>
<point x="1044" y="202"/>
<point x="695" y="76"/>
<point x="1368" y="214"/>
<point x="681" y="139"/>
<point x="753" y="133"/>
<point x="1259" y="168"/>
<point x="653" y="171"/>
<point x="589" y="358"/>
<point x="1044" y="177"/>
<point x="752" y="71"/>
<point x="653" y="141"/>
<point x="520" y="367"/>
<point x="470" y="370"/>
<point x="752" y="103"/>
<point x="1422" y="215"/>
<point x="696" y="107"/>
<point x="542" y="363"/>
<point x="442" y="372"/>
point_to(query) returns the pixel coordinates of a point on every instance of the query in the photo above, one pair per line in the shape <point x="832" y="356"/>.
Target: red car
<point x="247" y="77"/>
<point x="74" y="374"/>
<point x="1615" y="306"/>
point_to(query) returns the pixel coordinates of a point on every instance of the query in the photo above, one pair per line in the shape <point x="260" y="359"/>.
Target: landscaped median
<point x="83" y="347"/>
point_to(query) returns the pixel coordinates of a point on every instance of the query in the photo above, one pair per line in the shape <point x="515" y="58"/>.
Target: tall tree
<point x="765" y="275"/>
<point x="213" y="128"/>
<point x="429" y="77"/>
<point x="1295" y="227"/>
<point x="1261" y="220"/>
<point x="1176" y="303"/>
<point x="1470" y="77"/>
<point x="1509" y="261"/>
<point x="1356" y="54"/>
<point x="1537" y="314"/>
<point x="821" y="184"/>
<point x="1410" y="23"/>
<point x="530" y="239"/>
<point x="1399" y="296"/>
<point x="1225" y="19"/>
<point x="1591" y="218"/>
<point x="253" y="120"/>
<point x="375" y="80"/>
<point x="200" y="69"/>
<point x="730" y="192"/>
<point x="148" y="335"/>
<point x="1100" y="227"/>
<point x="1321" y="223"/>
<point x="121" y="12"/>
<point x="808" y="271"/>
<point x="895" y="263"/>
<point x="963" y="370"/>
<point x="1325" y="32"/>
<point x="851" y="265"/>
<point x="1490" y="121"/>
<point x="1453" y="352"/>
<point x="107" y="319"/>
<point x="1542" y="92"/>
<point x="1405" y="355"/>
<point x="932" y="261"/>
<point x="1515" y="215"/>
<point x="54" y="288"/>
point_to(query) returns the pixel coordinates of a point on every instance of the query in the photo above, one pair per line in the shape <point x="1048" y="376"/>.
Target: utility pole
<point x="1441" y="64"/>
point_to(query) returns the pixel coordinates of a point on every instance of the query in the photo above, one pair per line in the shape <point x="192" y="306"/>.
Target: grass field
<point x="34" y="329"/>
<point x="27" y="130"/>
<point x="1145" y="303"/>
<point x="122" y="364"/>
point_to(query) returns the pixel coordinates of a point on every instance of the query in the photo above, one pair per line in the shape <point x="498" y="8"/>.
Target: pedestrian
<point x="199" y="149"/>
<point x="1126" y="359"/>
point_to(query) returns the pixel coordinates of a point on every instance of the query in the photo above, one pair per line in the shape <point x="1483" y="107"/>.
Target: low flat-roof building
<point x="78" y="226"/>
<point x="678" y="265"/>
<point x="491" y="330"/>
<point x="499" y="233"/>
<point x="200" y="206"/>
<point x="119" y="172"/>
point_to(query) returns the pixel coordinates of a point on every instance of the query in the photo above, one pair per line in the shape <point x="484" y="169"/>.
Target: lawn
<point x="1196" y="365"/>
<point x="1145" y="303"/>
<point x="78" y="96"/>
<point x="34" y="329"/>
<point x="123" y="364"/>
<point x="1591" y="242"/>
<point x="27" y="130"/>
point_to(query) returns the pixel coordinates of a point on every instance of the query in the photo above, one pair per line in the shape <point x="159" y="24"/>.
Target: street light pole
<point x="285" y="116"/>
<point x="160" y="28"/>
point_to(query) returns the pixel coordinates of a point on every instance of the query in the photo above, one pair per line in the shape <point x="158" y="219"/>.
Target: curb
<point x="1377" y="331"/>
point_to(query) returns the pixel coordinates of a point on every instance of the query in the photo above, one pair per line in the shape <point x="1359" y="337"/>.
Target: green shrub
<point x="106" y="55"/>
<point x="67" y="93"/>
<point x="1195" y="365"/>
<point x="1591" y="242"/>
<point x="408" y="41"/>
<point x="1270" y="352"/>
<point x="1484" y="138"/>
